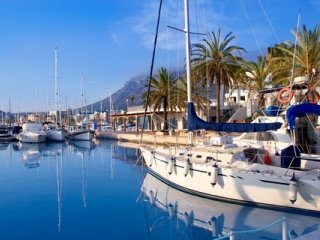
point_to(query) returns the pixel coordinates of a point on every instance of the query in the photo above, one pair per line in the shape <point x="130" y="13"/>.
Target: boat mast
<point x="187" y="37"/>
<point x="188" y="63"/>
<point x="56" y="100"/>
<point x="55" y="84"/>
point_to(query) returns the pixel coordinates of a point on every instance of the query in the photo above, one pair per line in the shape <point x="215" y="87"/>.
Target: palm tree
<point x="160" y="92"/>
<point x="302" y="59"/>
<point x="258" y="76"/>
<point x="215" y="60"/>
<point x="179" y="95"/>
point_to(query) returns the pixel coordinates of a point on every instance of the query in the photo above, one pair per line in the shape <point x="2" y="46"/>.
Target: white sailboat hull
<point x="80" y="135"/>
<point x="236" y="181"/>
<point x="56" y="135"/>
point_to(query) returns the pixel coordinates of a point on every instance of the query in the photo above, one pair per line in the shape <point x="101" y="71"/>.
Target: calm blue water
<point x="97" y="191"/>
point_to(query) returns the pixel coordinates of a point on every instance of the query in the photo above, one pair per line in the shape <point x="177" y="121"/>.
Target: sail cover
<point x="301" y="110"/>
<point x="195" y="123"/>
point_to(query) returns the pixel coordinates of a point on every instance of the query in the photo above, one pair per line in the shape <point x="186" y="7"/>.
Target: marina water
<point x="100" y="190"/>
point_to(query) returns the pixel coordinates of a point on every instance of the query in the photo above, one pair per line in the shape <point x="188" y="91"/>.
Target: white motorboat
<point x="232" y="173"/>
<point x="32" y="132"/>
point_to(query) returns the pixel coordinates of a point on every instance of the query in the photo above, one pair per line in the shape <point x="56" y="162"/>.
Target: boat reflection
<point x="4" y="146"/>
<point x="200" y="218"/>
<point x="81" y="146"/>
<point x="32" y="153"/>
<point x="126" y="152"/>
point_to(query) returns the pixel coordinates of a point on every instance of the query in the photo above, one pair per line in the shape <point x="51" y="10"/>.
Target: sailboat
<point x="80" y="132"/>
<point x="55" y="132"/>
<point x="226" y="172"/>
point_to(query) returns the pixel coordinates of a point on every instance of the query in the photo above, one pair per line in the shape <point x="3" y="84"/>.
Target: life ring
<point x="312" y="96"/>
<point x="285" y="95"/>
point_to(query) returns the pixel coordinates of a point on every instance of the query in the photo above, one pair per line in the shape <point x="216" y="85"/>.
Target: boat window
<point x="249" y="136"/>
<point x="199" y="156"/>
<point x="209" y="158"/>
<point x="189" y="155"/>
<point x="265" y="136"/>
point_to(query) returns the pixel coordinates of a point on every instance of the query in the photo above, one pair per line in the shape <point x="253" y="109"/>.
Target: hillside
<point x="134" y="87"/>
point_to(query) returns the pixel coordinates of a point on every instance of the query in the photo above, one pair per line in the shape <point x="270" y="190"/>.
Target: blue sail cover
<point x="195" y="123"/>
<point x="301" y="110"/>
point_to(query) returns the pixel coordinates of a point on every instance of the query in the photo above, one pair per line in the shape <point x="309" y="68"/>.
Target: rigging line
<point x="179" y="41"/>
<point x="295" y="48"/>
<point x="151" y="70"/>
<point x="207" y="64"/>
<point x="168" y="60"/>
<point x="196" y="13"/>
<point x="271" y="26"/>
<point x="251" y="27"/>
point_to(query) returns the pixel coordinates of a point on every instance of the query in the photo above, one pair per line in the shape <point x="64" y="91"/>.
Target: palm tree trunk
<point x="218" y="100"/>
<point x="261" y="101"/>
<point x="165" y="105"/>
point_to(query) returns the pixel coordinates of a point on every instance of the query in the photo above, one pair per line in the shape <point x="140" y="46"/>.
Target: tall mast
<point x="81" y="93"/>
<point x="187" y="36"/>
<point x="56" y="83"/>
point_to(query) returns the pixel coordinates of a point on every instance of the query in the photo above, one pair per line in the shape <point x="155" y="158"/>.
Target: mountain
<point x="131" y="91"/>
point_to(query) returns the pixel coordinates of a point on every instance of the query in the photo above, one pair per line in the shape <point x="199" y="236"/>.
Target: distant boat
<point x="32" y="132"/>
<point x="55" y="133"/>
<point x="105" y="132"/>
<point x="79" y="133"/>
<point x="5" y="135"/>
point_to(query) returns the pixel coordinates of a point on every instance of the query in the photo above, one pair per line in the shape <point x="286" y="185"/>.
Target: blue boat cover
<point x="195" y="123"/>
<point x="301" y="110"/>
<point x="273" y="110"/>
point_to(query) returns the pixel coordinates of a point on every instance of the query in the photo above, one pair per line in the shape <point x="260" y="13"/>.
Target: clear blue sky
<point x="111" y="41"/>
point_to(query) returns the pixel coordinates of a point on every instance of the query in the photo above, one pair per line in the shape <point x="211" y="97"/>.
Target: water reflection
<point x="31" y="153"/>
<point x="3" y="146"/>
<point x="125" y="151"/>
<point x="199" y="218"/>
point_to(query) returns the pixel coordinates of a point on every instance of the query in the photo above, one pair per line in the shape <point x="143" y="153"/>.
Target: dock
<point x="148" y="137"/>
<point x="159" y="138"/>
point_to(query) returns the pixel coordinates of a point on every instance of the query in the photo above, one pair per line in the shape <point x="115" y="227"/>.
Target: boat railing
<point x="285" y="233"/>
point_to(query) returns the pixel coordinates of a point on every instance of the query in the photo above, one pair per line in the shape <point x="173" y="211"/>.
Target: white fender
<point x="187" y="167"/>
<point x="172" y="210"/>
<point x="214" y="226"/>
<point x="152" y="198"/>
<point x="151" y="158"/>
<point x="293" y="189"/>
<point x="171" y="164"/>
<point x="214" y="174"/>
<point x="188" y="218"/>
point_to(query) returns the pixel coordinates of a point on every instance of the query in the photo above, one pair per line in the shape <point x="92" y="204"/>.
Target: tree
<point x="214" y="59"/>
<point x="162" y="86"/>
<point x="179" y="95"/>
<point x="258" y="77"/>
<point x="302" y="59"/>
